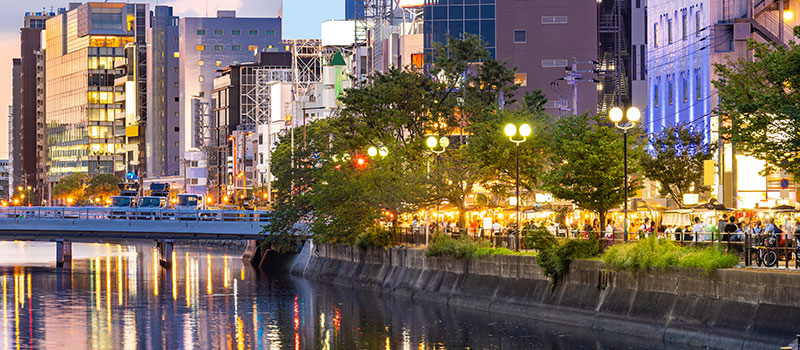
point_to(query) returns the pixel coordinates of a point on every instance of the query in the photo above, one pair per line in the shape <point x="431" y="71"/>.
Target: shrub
<point x="556" y="255"/>
<point x="374" y="237"/>
<point x="659" y="254"/>
<point x="464" y="248"/>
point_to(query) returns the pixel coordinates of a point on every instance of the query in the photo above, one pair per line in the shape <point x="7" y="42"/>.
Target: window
<point x="669" y="31"/>
<point x="201" y="47"/>
<point x="176" y="84"/>
<point x="252" y="48"/>
<point x="685" y="91"/>
<point x="697" y="23"/>
<point x="176" y="69"/>
<point x="670" y="94"/>
<point x="219" y="32"/>
<point x="201" y="32"/>
<point x="201" y="78"/>
<point x="554" y="19"/>
<point x="521" y="79"/>
<point x="177" y="114"/>
<point x="236" y="48"/>
<point x="655" y="34"/>
<point x="698" y="86"/>
<point x="520" y="36"/>
<point x="417" y="60"/>
<point x="252" y="32"/>
<point x="558" y="63"/>
<point x="201" y="63"/>
<point x="176" y="54"/>
<point x="655" y="95"/>
<point x="218" y="63"/>
<point x="684" y="28"/>
<point x="236" y="32"/>
<point x="177" y="99"/>
<point x="269" y="32"/>
<point x="217" y="47"/>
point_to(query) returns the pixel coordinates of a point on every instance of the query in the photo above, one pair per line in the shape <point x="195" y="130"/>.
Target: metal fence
<point x="106" y="213"/>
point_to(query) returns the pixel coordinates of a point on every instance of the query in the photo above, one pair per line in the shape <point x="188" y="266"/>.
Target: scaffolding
<point x="374" y="22"/>
<point x="614" y="55"/>
<point x="255" y="94"/>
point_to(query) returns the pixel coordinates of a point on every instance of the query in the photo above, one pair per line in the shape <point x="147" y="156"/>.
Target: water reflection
<point x="114" y="296"/>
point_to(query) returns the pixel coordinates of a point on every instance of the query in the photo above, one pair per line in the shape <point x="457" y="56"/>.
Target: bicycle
<point x="765" y="255"/>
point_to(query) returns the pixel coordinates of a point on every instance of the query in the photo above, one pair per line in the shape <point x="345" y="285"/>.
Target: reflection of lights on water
<point x="337" y="319"/>
<point x="155" y="271"/>
<point x="226" y="272"/>
<point x="174" y="277"/>
<point x="5" y="314"/>
<point x="209" y="289"/>
<point x="255" y="323"/>
<point x="239" y="333"/>
<point x="108" y="292"/>
<point x="406" y="338"/>
<point x="97" y="284"/>
<point x="296" y="324"/>
<point x="119" y="280"/>
<point x="188" y="281"/>
<point x="388" y="344"/>
<point x="242" y="273"/>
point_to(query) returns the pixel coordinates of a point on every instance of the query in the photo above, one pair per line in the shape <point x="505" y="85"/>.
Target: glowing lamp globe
<point x="510" y="130"/>
<point x="444" y="142"/>
<point x="634" y="114"/>
<point x="525" y="130"/>
<point x="615" y="114"/>
<point x="372" y="151"/>
<point x="383" y="151"/>
<point x="431" y="141"/>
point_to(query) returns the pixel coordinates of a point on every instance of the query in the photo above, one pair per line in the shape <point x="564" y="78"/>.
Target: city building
<point x="29" y="143"/>
<point x="5" y="171"/>
<point x="83" y="48"/>
<point x="15" y="125"/>
<point x="686" y="38"/>
<point x="208" y="44"/>
<point x="163" y="100"/>
<point x="542" y="39"/>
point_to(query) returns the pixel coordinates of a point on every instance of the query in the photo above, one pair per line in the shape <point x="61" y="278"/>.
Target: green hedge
<point x="464" y="248"/>
<point x="659" y="254"/>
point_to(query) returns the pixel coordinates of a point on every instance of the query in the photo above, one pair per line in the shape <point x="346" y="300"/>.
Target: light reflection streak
<point x="155" y="271"/>
<point x="296" y="324"/>
<point x="97" y="283"/>
<point x="239" y="334"/>
<point x="174" y="277"/>
<point x="209" y="288"/>
<point x="226" y="272"/>
<point x="108" y="293"/>
<point x="255" y="324"/>
<point x="5" y="315"/>
<point x="16" y="308"/>
<point x="188" y="281"/>
<point x="119" y="277"/>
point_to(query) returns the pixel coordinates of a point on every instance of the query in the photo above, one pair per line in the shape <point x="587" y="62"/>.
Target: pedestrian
<point x="609" y="229"/>
<point x="697" y="229"/>
<point x="415" y="225"/>
<point x="730" y="228"/>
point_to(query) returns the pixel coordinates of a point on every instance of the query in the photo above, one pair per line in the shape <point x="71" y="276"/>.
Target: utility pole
<point x="575" y="76"/>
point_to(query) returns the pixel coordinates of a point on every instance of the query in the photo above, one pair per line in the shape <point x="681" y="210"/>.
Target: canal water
<point x="118" y="297"/>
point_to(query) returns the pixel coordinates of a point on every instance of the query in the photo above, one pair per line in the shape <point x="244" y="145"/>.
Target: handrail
<point x="116" y="213"/>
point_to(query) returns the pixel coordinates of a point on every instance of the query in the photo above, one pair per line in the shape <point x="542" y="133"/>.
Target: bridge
<point x="65" y="225"/>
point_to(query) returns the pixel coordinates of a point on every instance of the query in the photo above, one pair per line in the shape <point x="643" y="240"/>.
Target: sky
<point x="301" y="19"/>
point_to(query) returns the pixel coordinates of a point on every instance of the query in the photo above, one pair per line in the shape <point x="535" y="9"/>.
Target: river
<point x="118" y="297"/>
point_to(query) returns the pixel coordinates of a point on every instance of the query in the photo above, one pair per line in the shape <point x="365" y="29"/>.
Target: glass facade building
<point x="83" y="48"/>
<point x="456" y="18"/>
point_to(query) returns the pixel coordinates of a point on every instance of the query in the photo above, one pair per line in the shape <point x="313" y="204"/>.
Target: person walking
<point x="609" y="233"/>
<point x="697" y="229"/>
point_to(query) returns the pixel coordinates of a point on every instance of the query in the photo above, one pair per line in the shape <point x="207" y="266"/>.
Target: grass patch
<point x="465" y="248"/>
<point x="659" y="254"/>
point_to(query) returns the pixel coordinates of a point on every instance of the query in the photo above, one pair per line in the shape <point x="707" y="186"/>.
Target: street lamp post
<point x="511" y="131"/>
<point x="437" y="146"/>
<point x="632" y="115"/>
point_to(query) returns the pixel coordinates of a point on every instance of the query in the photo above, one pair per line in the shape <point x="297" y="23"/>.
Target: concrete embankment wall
<point x="728" y="309"/>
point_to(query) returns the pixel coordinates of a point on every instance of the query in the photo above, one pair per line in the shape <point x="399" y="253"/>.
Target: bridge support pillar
<point x="165" y="248"/>
<point x="63" y="252"/>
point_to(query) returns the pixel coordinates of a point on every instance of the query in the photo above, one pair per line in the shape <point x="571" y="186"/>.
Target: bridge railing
<point x="106" y="213"/>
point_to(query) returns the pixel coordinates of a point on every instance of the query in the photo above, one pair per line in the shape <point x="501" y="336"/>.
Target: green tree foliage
<point x="676" y="161"/>
<point x="71" y="186"/>
<point x="103" y="186"/>
<point x="759" y="104"/>
<point x="586" y="163"/>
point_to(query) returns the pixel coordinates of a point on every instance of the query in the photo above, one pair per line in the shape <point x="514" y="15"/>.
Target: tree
<point x="676" y="161"/>
<point x="586" y="163"/>
<point x="71" y="186"/>
<point x="103" y="186"/>
<point x="759" y="104"/>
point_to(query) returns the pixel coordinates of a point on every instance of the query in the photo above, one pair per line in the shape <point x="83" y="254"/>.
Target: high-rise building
<point x="83" y="49"/>
<point x="4" y="172"/>
<point x="30" y="84"/>
<point x="163" y="99"/>
<point x="541" y="39"/>
<point x="208" y="44"/>
<point x="15" y="124"/>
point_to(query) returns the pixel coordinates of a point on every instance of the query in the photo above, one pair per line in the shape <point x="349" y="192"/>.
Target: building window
<point x="269" y="32"/>
<point x="219" y="32"/>
<point x="520" y="36"/>
<point x="177" y="114"/>
<point x="201" y="78"/>
<point x="176" y="54"/>
<point x="554" y="19"/>
<point x="655" y="34"/>
<point x="417" y="60"/>
<point x="521" y="79"/>
<point x="698" y="93"/>
<point x="218" y="63"/>
<point x="201" y="63"/>
<point x="201" y="47"/>
<point x="201" y="32"/>
<point x="670" y="94"/>
<point x="669" y="31"/>
<point x="177" y="99"/>
<point x="684" y="27"/>
<point x="176" y="84"/>
<point x="236" y="32"/>
<point x="252" y="32"/>
<point x="252" y="48"/>
<point x="557" y="63"/>
<point x="217" y="47"/>
<point x="697" y="23"/>
<point x="685" y="90"/>
<point x="236" y="48"/>
<point x="655" y="95"/>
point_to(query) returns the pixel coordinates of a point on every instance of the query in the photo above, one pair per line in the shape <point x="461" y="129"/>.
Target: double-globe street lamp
<point x="511" y="131"/>
<point x="437" y="145"/>
<point x="632" y="115"/>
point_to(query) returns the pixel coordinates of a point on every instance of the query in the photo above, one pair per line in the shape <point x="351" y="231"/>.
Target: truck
<point x="157" y="199"/>
<point x="125" y="201"/>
